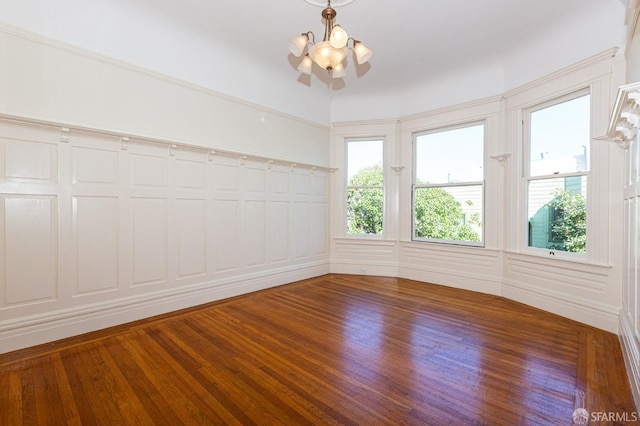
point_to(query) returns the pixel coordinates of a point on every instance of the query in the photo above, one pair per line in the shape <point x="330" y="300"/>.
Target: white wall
<point x="154" y="35"/>
<point x="125" y="194"/>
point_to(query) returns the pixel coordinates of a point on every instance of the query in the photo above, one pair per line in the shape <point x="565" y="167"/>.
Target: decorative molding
<point x="397" y="169"/>
<point x="172" y="150"/>
<point x="125" y="142"/>
<point x="599" y="58"/>
<point x="501" y="158"/>
<point x="64" y="135"/>
<point x="625" y="117"/>
<point x="392" y="121"/>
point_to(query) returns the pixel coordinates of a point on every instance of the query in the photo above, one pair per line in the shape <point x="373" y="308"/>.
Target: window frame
<point x="347" y="187"/>
<point x="527" y="178"/>
<point x="482" y="183"/>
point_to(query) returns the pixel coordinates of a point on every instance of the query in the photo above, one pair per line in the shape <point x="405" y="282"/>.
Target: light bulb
<point x="338" y="37"/>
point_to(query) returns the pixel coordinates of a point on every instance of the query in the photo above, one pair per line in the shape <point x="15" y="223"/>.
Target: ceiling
<point x="413" y="41"/>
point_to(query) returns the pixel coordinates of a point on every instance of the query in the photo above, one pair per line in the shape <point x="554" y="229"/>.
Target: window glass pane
<point x="560" y="136"/>
<point x="362" y="155"/>
<point x="365" y="194"/>
<point x="450" y="156"/>
<point x="364" y="211"/>
<point x="557" y="213"/>
<point x="449" y="213"/>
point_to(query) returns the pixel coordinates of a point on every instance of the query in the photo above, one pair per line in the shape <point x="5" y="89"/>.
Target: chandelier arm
<point x="312" y="35"/>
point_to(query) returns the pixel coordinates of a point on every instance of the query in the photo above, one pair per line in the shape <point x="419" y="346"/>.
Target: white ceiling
<point x="211" y="42"/>
<point x="412" y="40"/>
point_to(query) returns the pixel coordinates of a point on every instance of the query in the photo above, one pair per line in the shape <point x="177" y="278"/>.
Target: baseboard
<point x="464" y="281"/>
<point x="590" y="312"/>
<point x="631" y="353"/>
<point x="19" y="333"/>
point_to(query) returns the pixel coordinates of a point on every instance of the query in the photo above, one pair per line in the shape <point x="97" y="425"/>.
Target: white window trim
<point x="526" y="177"/>
<point x="414" y="186"/>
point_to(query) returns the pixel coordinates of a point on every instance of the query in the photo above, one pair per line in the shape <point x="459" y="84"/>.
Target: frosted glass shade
<point x="363" y="54"/>
<point x="297" y="45"/>
<point x="305" y="65"/>
<point x="339" y="37"/>
<point x="338" y="71"/>
<point x="326" y="56"/>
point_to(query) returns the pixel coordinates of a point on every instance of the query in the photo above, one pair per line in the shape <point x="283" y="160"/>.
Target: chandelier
<point x="331" y="52"/>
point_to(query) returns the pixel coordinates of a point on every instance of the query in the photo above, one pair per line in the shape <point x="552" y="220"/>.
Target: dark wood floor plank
<point x="11" y="397"/>
<point x="167" y="387"/>
<point x="335" y="349"/>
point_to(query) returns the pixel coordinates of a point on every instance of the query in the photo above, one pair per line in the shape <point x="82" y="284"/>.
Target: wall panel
<point x="254" y="233"/>
<point x="95" y="166"/>
<point x="300" y="229"/>
<point x="191" y="174"/>
<point x="30" y="248"/>
<point x="192" y="233"/>
<point x="96" y="234"/>
<point x="149" y="224"/>
<point x="278" y="220"/>
<point x="30" y="161"/>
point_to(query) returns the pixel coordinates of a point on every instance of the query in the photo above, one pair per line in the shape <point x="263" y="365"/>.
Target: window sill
<point x="582" y="265"/>
<point x="453" y="248"/>
<point x="356" y="239"/>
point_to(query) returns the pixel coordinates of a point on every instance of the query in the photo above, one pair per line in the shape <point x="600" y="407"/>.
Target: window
<point x="556" y="167"/>
<point x="448" y="185"/>
<point x="365" y="187"/>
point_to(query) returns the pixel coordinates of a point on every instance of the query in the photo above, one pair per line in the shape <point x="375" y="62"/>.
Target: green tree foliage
<point x="365" y="206"/>
<point x="438" y="214"/>
<point x="570" y="223"/>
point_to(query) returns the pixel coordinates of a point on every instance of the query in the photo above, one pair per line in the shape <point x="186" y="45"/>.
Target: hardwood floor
<point x="335" y="349"/>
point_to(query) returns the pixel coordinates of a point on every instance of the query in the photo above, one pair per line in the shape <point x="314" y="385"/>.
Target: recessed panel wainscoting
<point x="98" y="229"/>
